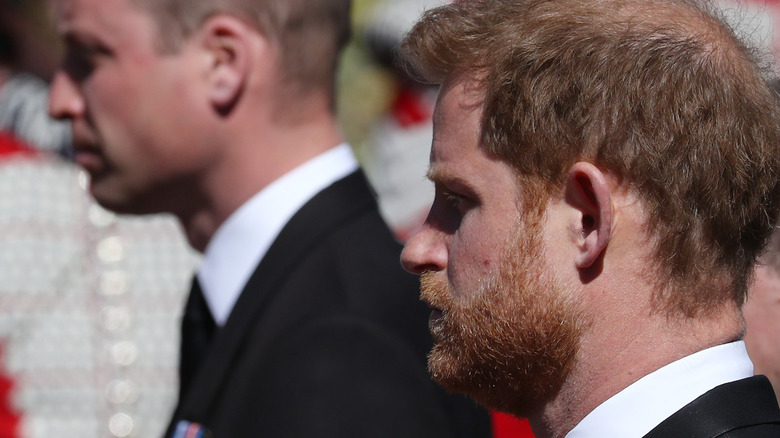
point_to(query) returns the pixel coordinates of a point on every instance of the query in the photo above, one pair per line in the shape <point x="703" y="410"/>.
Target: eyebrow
<point x="438" y="176"/>
<point x="75" y="38"/>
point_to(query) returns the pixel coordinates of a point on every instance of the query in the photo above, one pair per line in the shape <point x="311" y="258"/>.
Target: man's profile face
<point x="505" y="330"/>
<point x="131" y="106"/>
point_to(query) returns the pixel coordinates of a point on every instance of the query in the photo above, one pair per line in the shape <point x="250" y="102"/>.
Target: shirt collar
<point x="239" y="244"/>
<point x="637" y="409"/>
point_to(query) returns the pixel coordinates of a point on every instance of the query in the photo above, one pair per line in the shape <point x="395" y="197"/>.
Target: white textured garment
<point x="89" y="307"/>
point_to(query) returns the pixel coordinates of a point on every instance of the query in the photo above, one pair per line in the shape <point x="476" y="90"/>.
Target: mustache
<point x="434" y="291"/>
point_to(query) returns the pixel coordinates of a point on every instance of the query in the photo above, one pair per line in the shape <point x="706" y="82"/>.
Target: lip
<point x="436" y="324"/>
<point x="436" y="311"/>
<point x="89" y="160"/>
<point x="436" y="316"/>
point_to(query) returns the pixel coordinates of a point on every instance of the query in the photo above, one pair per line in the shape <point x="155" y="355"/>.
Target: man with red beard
<point x="606" y="173"/>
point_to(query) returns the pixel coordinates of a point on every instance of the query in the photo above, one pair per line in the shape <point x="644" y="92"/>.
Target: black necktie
<point x="197" y="328"/>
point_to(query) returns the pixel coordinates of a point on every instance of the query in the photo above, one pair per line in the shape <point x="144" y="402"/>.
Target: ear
<point x="228" y="45"/>
<point x="588" y="191"/>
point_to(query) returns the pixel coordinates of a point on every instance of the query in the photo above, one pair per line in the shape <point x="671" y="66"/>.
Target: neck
<point x="253" y="159"/>
<point x="612" y="358"/>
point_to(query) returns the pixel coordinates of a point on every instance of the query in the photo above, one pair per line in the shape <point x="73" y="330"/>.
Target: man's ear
<point x="227" y="41"/>
<point x="588" y="191"/>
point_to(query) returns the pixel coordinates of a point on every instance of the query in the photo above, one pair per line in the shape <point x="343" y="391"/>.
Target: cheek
<point x="126" y="111"/>
<point x="111" y="104"/>
<point x="471" y="260"/>
<point x="126" y="92"/>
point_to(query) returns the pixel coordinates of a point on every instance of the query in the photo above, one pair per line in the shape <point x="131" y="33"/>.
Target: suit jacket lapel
<point x="737" y="404"/>
<point x="331" y="207"/>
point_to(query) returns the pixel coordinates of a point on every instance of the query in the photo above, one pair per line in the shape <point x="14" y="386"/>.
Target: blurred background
<point x="90" y="301"/>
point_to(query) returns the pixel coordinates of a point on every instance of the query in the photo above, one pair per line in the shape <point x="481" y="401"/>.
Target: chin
<point x="120" y="204"/>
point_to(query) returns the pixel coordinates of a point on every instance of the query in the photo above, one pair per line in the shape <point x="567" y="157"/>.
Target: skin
<point x="763" y="324"/>
<point x="195" y="131"/>
<point x="465" y="241"/>
<point x="121" y="95"/>
<point x="474" y="195"/>
<point x="593" y="239"/>
<point x="479" y="254"/>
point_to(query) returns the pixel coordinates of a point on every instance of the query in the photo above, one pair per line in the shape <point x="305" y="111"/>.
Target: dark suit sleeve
<point x="341" y="377"/>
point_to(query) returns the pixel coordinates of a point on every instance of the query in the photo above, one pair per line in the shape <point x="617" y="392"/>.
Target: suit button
<point x="120" y="425"/>
<point x="110" y="250"/>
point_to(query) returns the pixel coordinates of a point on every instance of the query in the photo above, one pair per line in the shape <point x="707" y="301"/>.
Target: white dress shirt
<point x="239" y="244"/>
<point x="636" y="410"/>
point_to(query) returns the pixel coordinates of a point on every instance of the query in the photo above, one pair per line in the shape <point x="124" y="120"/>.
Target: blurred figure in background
<point x="24" y="100"/>
<point x="89" y="304"/>
<point x="397" y="151"/>
<point x="300" y="322"/>
<point x="89" y="301"/>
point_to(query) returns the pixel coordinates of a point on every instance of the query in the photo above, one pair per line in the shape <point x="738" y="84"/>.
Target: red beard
<point x="511" y="343"/>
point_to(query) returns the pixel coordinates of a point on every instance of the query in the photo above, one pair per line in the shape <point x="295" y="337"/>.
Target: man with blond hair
<point x="300" y="322"/>
<point x="606" y="174"/>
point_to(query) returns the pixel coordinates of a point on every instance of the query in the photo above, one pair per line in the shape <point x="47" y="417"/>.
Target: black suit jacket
<point x="328" y="339"/>
<point x="743" y="409"/>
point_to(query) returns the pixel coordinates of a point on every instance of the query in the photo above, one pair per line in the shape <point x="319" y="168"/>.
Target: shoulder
<point x="755" y="431"/>
<point x="743" y="408"/>
<point x="343" y="376"/>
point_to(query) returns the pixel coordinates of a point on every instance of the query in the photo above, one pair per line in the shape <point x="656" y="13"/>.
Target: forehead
<point x="456" y="120"/>
<point x="456" y="154"/>
<point x="111" y="19"/>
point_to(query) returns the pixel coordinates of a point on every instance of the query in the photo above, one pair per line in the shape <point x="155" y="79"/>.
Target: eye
<point x="79" y="62"/>
<point x="457" y="201"/>
<point x="448" y="210"/>
<point x="82" y="57"/>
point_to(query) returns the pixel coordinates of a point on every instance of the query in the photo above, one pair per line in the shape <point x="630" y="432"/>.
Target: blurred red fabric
<point x="507" y="426"/>
<point x="9" y="418"/>
<point x="11" y="146"/>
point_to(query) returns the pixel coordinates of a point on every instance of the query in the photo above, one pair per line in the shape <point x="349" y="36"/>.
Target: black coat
<point x="746" y="408"/>
<point x="328" y="339"/>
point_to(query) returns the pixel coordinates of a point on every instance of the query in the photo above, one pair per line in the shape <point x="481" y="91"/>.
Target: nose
<point x="425" y="251"/>
<point x="65" y="98"/>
